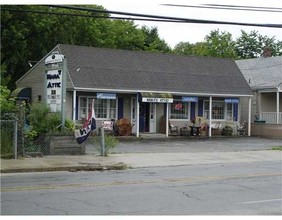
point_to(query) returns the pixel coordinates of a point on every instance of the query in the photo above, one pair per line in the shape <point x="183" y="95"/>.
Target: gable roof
<point x="113" y="69"/>
<point x="262" y="73"/>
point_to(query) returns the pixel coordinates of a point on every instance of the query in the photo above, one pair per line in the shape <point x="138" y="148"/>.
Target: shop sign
<point x="157" y="100"/>
<point x="189" y="99"/>
<point x="231" y="100"/>
<point x="106" y="96"/>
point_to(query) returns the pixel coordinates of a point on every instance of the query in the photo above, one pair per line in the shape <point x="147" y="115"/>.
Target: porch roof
<point x="112" y="69"/>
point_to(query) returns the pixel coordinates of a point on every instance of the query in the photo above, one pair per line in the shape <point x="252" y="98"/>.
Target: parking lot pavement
<point x="175" y="145"/>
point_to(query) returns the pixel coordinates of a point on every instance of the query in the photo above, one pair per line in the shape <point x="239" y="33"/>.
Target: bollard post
<point x="102" y="141"/>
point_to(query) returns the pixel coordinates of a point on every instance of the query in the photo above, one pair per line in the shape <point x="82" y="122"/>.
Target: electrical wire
<point x="143" y="17"/>
<point x="226" y="7"/>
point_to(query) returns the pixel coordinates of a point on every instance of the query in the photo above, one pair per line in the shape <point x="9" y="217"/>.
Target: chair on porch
<point x="216" y="129"/>
<point x="241" y="128"/>
<point x="173" y="129"/>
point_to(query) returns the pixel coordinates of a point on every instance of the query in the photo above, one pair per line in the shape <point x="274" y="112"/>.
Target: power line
<point x="241" y="6"/>
<point x="176" y="19"/>
<point x="228" y="7"/>
<point x="143" y="17"/>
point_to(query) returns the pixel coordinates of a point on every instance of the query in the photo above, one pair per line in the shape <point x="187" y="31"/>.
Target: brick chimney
<point x="266" y="52"/>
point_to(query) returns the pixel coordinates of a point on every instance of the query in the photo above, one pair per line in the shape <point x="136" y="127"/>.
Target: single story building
<point x="151" y="89"/>
<point x="264" y="75"/>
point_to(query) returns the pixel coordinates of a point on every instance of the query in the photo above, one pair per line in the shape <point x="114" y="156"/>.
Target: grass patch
<point x="277" y="148"/>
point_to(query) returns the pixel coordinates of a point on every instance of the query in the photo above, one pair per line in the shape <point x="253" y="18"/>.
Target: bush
<point x="110" y="143"/>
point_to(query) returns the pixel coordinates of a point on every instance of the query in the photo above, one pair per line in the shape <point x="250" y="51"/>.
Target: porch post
<point x="249" y="117"/>
<point x="210" y="117"/>
<point x="166" y="120"/>
<point x="137" y="116"/>
<point x="73" y="105"/>
<point x="277" y="106"/>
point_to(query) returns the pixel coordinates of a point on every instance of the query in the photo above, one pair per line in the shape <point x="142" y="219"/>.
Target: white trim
<point x="74" y="105"/>
<point x="174" y="93"/>
<point x="249" y="118"/>
<point x="210" y="116"/>
<point x="38" y="63"/>
<point x="137" y="117"/>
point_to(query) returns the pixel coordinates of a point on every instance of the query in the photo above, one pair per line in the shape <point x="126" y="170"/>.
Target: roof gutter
<point x="155" y="91"/>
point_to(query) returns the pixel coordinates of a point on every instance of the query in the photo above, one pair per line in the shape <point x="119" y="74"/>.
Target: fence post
<point x="102" y="141"/>
<point x="16" y="139"/>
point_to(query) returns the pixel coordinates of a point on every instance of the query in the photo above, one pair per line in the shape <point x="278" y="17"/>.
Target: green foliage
<point x="221" y="44"/>
<point x="110" y="143"/>
<point x="20" y="33"/>
<point x="44" y="122"/>
<point x="279" y="148"/>
<point x="7" y="103"/>
<point x="251" y="45"/>
<point x="6" y="141"/>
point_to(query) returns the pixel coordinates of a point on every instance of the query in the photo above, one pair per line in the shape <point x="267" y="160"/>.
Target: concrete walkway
<point x="132" y="155"/>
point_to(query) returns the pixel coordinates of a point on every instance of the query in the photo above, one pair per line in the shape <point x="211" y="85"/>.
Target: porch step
<point x="152" y="135"/>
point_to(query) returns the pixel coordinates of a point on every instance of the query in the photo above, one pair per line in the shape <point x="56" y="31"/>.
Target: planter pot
<point x="227" y="132"/>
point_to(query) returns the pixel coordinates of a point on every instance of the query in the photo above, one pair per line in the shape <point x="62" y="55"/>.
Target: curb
<point x="116" y="166"/>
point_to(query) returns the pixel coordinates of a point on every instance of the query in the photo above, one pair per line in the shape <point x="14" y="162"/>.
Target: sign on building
<point x="55" y="85"/>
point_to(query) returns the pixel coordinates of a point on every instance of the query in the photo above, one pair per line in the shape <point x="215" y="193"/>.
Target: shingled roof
<point x="125" y="70"/>
<point x="262" y="73"/>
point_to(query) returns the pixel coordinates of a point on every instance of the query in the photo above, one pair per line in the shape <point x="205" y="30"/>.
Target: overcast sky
<point x="174" y="33"/>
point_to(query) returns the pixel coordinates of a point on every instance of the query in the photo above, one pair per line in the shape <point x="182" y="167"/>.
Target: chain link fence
<point x="9" y="139"/>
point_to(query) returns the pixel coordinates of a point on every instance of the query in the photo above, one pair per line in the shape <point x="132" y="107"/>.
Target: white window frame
<point x="87" y="104"/>
<point x="206" y="112"/>
<point x="188" y="110"/>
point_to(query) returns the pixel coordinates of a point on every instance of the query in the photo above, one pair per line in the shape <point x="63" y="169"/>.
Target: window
<point x="179" y="110"/>
<point x="218" y="110"/>
<point x="104" y="108"/>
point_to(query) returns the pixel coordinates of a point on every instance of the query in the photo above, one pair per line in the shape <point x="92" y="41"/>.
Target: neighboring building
<point x="150" y="89"/>
<point x="264" y="76"/>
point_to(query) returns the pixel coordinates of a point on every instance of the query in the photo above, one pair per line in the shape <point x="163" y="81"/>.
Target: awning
<point x="156" y="97"/>
<point x="22" y="93"/>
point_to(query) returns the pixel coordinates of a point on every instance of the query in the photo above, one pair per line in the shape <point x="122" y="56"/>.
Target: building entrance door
<point x="147" y="117"/>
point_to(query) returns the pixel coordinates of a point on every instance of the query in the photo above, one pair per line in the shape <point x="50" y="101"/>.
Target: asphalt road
<point x="221" y="189"/>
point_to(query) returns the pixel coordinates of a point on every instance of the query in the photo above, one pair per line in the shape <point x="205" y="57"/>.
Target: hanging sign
<point x="157" y="100"/>
<point x="231" y="100"/>
<point x="189" y="99"/>
<point x="106" y="96"/>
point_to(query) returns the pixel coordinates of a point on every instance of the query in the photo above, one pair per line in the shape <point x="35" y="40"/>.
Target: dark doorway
<point x="144" y="117"/>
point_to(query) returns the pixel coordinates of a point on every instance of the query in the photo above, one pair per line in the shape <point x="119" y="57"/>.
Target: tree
<point x="184" y="48"/>
<point x="7" y="103"/>
<point x="220" y="44"/>
<point x="152" y="41"/>
<point x="216" y="44"/>
<point x="30" y="36"/>
<point x="251" y="45"/>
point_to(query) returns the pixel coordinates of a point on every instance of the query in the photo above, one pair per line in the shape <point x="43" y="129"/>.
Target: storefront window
<point x="218" y="110"/>
<point x="179" y="110"/>
<point x="104" y="108"/>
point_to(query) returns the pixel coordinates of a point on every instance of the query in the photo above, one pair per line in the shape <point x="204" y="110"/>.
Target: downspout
<point x="166" y="120"/>
<point x="210" y="116"/>
<point x="277" y="105"/>
<point x="137" y="116"/>
<point x="74" y="105"/>
<point x="249" y="118"/>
